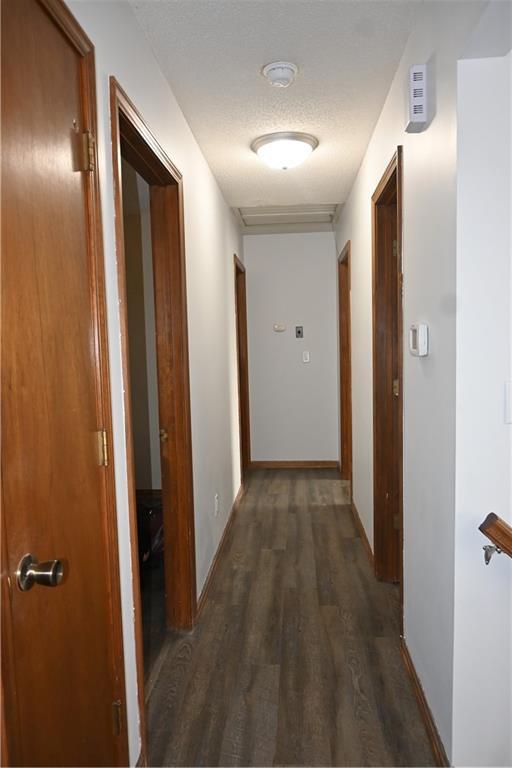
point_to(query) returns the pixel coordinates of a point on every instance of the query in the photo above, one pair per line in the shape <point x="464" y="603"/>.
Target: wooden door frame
<point x="345" y="363"/>
<point x="70" y="28"/>
<point x="133" y="140"/>
<point x="242" y="368"/>
<point x="392" y="172"/>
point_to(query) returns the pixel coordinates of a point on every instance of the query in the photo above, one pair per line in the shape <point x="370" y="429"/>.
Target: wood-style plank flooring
<point x="295" y="659"/>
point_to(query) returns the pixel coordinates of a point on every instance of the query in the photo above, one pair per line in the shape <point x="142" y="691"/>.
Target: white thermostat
<point x="418" y="340"/>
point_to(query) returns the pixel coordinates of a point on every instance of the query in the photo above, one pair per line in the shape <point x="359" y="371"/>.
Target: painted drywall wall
<point x="150" y="328"/>
<point x="429" y="264"/>
<point x="211" y="238"/>
<point x="291" y="280"/>
<point x="482" y="707"/>
<point x="142" y="343"/>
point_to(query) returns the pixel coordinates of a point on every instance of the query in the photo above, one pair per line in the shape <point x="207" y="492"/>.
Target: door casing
<point x="243" y="366"/>
<point x="133" y="140"/>
<point x="387" y="368"/>
<point x="345" y="361"/>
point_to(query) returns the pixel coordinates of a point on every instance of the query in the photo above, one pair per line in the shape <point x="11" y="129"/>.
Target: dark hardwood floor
<point x="296" y="657"/>
<point x="152" y="588"/>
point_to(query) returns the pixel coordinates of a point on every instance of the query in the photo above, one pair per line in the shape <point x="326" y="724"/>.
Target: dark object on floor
<point x="150" y="527"/>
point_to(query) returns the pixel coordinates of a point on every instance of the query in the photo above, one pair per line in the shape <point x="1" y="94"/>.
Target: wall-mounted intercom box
<point x="418" y="340"/>
<point x="418" y="99"/>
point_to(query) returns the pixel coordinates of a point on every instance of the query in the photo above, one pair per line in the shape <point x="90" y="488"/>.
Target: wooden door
<point x="345" y="365"/>
<point x="243" y="365"/>
<point x="387" y="370"/>
<point x="62" y="649"/>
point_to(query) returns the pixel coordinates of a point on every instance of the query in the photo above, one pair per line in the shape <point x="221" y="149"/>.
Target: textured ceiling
<point x="212" y="51"/>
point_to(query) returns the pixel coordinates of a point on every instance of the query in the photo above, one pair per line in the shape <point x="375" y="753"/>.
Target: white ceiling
<point x="212" y="51"/>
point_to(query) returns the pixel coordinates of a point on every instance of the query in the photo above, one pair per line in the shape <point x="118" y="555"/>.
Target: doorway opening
<point x="243" y="366"/>
<point x="345" y="358"/>
<point x="154" y="343"/>
<point x="140" y="311"/>
<point x="387" y="371"/>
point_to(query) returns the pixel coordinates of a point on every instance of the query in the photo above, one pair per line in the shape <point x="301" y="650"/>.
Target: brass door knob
<point x="163" y="436"/>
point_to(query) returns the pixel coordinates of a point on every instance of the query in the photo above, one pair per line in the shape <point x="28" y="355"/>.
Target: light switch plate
<point x="305" y="357"/>
<point x="418" y="340"/>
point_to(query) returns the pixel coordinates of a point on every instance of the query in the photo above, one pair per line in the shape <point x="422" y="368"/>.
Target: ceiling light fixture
<point x="280" y="74"/>
<point x="284" y="150"/>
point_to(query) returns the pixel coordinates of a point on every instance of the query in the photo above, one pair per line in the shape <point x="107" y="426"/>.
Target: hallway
<point x="295" y="659"/>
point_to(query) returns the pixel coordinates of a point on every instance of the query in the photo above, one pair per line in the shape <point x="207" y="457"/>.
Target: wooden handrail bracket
<point x="499" y="532"/>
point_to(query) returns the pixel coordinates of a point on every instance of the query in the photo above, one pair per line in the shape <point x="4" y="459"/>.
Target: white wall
<point x="291" y="279"/>
<point x="150" y="328"/>
<point x="429" y="252"/>
<point x="141" y="329"/>
<point x="482" y="707"/>
<point x="211" y="238"/>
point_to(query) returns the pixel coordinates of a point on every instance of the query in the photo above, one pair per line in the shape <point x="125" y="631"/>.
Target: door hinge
<point x="395" y="248"/>
<point x="102" y="448"/>
<point x="116" y="717"/>
<point x="88" y="155"/>
<point x="396" y="387"/>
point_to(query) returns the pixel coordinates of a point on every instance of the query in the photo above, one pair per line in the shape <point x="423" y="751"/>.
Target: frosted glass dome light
<point x="284" y="150"/>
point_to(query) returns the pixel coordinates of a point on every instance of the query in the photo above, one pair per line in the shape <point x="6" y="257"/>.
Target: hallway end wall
<point x="212" y="235"/>
<point x="291" y="281"/>
<point x="429" y="264"/>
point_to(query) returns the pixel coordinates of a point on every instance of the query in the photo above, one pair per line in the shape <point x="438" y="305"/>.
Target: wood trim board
<point x="345" y="362"/>
<point x="295" y="464"/>
<point x="430" y="725"/>
<point x="364" y="538"/>
<point x="218" y="554"/>
<point x="242" y="349"/>
<point x="387" y="322"/>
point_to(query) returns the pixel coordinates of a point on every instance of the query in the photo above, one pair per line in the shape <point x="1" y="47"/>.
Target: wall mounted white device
<point x="418" y="340"/>
<point x="418" y="99"/>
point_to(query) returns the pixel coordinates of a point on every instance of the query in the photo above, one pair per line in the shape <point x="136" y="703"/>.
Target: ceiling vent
<point x="280" y="74"/>
<point x="288" y="218"/>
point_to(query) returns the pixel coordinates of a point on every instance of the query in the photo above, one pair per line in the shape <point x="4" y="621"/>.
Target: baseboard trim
<point x="294" y="465"/>
<point x="215" y="562"/>
<point x="362" y="533"/>
<point x="426" y="714"/>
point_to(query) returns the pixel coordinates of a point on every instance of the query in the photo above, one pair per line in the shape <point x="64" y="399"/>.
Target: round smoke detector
<point x="280" y="74"/>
